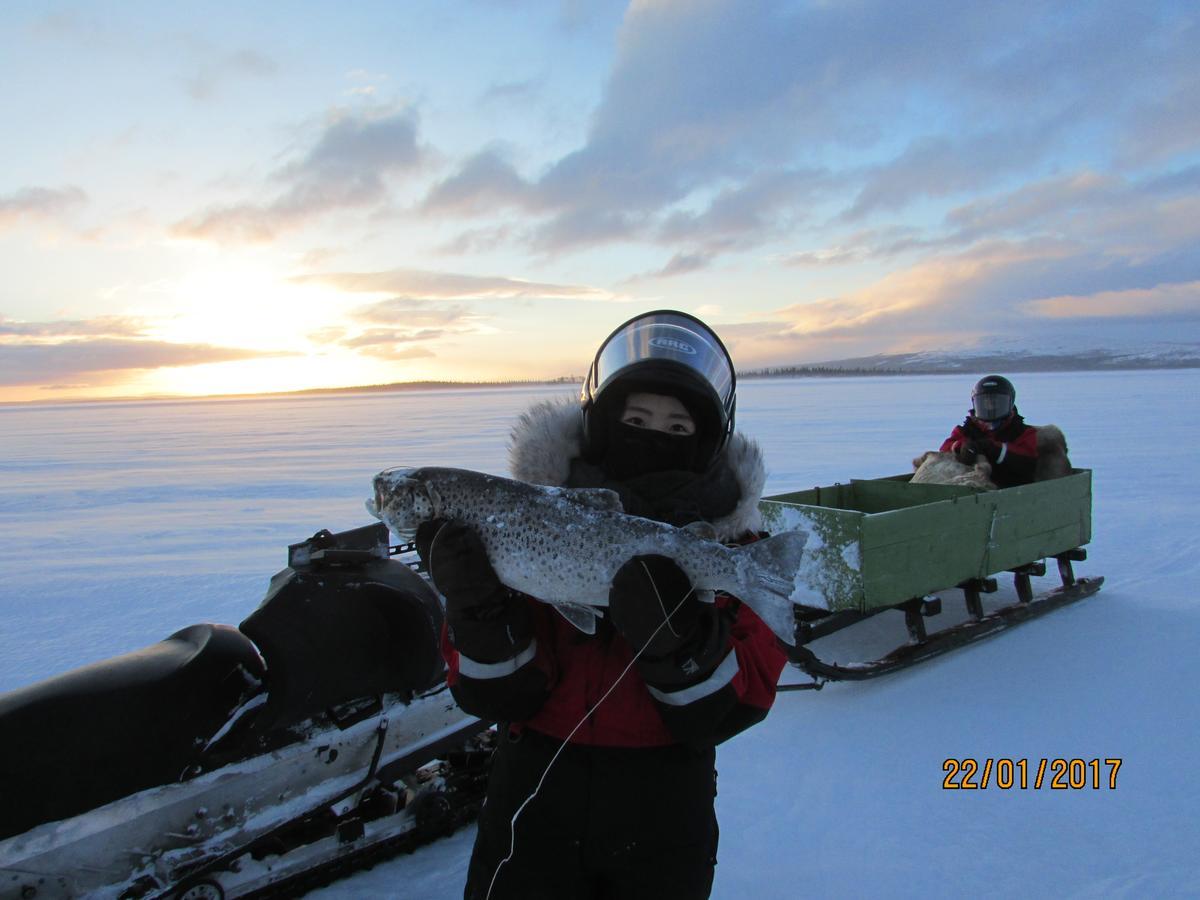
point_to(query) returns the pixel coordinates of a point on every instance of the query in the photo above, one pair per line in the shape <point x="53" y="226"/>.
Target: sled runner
<point x="250" y="761"/>
<point x="886" y="544"/>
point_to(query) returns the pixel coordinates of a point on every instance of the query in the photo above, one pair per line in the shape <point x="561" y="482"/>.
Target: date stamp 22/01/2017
<point x="968" y="774"/>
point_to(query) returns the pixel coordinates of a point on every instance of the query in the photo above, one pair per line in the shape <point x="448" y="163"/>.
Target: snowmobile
<point x="888" y="545"/>
<point x="316" y="737"/>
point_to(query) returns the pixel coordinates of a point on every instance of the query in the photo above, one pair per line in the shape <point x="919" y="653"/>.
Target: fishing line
<point x="512" y="823"/>
<point x="662" y="606"/>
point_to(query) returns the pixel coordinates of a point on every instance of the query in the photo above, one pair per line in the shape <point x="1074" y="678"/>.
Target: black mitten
<point x="989" y="450"/>
<point x="653" y="605"/>
<point x="967" y="453"/>
<point x="487" y="621"/>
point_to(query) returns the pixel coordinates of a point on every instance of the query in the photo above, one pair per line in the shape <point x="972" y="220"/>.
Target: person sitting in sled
<point x="614" y="732"/>
<point x="995" y="431"/>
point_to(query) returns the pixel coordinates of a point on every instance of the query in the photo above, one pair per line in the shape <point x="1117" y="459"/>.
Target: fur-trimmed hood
<point x="549" y="435"/>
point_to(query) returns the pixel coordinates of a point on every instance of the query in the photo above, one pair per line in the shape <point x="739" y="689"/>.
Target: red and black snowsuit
<point x="1011" y="449"/>
<point x="626" y="810"/>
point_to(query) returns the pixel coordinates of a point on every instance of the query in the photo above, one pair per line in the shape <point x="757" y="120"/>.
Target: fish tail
<point x="770" y="580"/>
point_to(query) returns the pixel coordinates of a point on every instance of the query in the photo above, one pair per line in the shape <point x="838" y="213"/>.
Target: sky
<point x="235" y="198"/>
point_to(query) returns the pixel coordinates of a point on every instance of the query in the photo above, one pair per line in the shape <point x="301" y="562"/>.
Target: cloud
<point x="765" y="204"/>
<point x="420" y="284"/>
<point x="679" y="264"/>
<point x="424" y="311"/>
<point x="699" y="93"/>
<point x="391" y="352"/>
<point x="330" y="334"/>
<point x="428" y="306"/>
<point x="484" y="240"/>
<point x="724" y="126"/>
<point x="44" y="363"/>
<point x="411" y="313"/>
<point x="839" y="254"/>
<point x="393" y="326"/>
<point x="1166" y="122"/>
<point x="1112" y="223"/>
<point x="484" y="183"/>
<point x="210" y="68"/>
<point x="215" y="70"/>
<point x="1160" y="300"/>
<point x="39" y="203"/>
<point x="376" y="337"/>
<point x="349" y="166"/>
<point x="101" y="326"/>
<point x="399" y="343"/>
<point x="512" y="92"/>
<point x="1039" y="204"/>
<point x="1024" y="291"/>
<point x="941" y="166"/>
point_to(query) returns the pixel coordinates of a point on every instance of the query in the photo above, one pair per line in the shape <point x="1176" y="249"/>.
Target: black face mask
<point x="634" y="451"/>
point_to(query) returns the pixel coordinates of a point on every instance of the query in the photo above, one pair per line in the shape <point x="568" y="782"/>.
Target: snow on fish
<point x="563" y="546"/>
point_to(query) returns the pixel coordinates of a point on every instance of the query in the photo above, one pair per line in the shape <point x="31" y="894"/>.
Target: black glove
<point x="966" y="453"/>
<point x="972" y="451"/>
<point x="487" y="621"/>
<point x="681" y="649"/>
<point x="988" y="450"/>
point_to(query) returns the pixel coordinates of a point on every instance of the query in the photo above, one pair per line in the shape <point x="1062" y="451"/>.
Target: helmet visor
<point x="991" y="407"/>
<point x="671" y="338"/>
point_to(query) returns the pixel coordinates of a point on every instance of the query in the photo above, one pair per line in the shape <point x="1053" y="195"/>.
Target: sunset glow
<point x="245" y="199"/>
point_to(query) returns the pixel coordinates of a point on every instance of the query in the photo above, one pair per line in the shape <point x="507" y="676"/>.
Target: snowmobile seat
<point x="100" y="732"/>
<point x="334" y="633"/>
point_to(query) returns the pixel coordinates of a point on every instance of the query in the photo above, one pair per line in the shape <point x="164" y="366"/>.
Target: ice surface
<point x="121" y="523"/>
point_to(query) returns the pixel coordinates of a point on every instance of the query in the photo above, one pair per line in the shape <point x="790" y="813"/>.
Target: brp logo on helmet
<point x="666" y="343"/>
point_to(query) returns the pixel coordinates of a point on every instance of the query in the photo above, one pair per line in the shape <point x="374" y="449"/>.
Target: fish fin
<point x="772" y="587"/>
<point x="594" y="498"/>
<point x="703" y="530"/>
<point x="582" y="617"/>
<point x="434" y="497"/>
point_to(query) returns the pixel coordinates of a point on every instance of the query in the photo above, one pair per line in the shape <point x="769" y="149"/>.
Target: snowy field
<point x="121" y="523"/>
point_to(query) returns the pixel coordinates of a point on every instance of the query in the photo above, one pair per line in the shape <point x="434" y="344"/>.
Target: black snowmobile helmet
<point x="993" y="398"/>
<point x="663" y="352"/>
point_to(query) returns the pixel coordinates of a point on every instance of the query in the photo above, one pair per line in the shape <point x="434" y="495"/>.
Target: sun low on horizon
<point x="243" y="331"/>
<point x="245" y="200"/>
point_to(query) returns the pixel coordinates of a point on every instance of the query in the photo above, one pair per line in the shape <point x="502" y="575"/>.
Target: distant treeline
<point x="976" y="366"/>
<point x="983" y="364"/>
<point x="434" y="385"/>
<point x="817" y="371"/>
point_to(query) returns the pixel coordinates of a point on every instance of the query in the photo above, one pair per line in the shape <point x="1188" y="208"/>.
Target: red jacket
<point x="1011" y="448"/>
<point x="564" y="673"/>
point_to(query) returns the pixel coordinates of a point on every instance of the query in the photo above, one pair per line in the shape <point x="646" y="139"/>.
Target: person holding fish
<point x="604" y="780"/>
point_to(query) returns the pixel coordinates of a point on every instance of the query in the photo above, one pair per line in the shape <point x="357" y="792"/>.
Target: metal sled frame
<point x="923" y="645"/>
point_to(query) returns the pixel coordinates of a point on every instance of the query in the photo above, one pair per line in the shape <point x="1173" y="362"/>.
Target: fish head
<point x="403" y="499"/>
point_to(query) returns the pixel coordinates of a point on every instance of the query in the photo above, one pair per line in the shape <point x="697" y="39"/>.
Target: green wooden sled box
<point x="882" y="541"/>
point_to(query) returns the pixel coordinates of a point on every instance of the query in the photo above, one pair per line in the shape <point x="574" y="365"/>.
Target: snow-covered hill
<point x="1009" y="355"/>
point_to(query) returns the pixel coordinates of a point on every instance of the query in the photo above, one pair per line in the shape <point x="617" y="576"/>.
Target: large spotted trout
<point x="563" y="546"/>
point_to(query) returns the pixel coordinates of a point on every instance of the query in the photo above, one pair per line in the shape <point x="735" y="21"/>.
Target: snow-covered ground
<point x="120" y="523"/>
